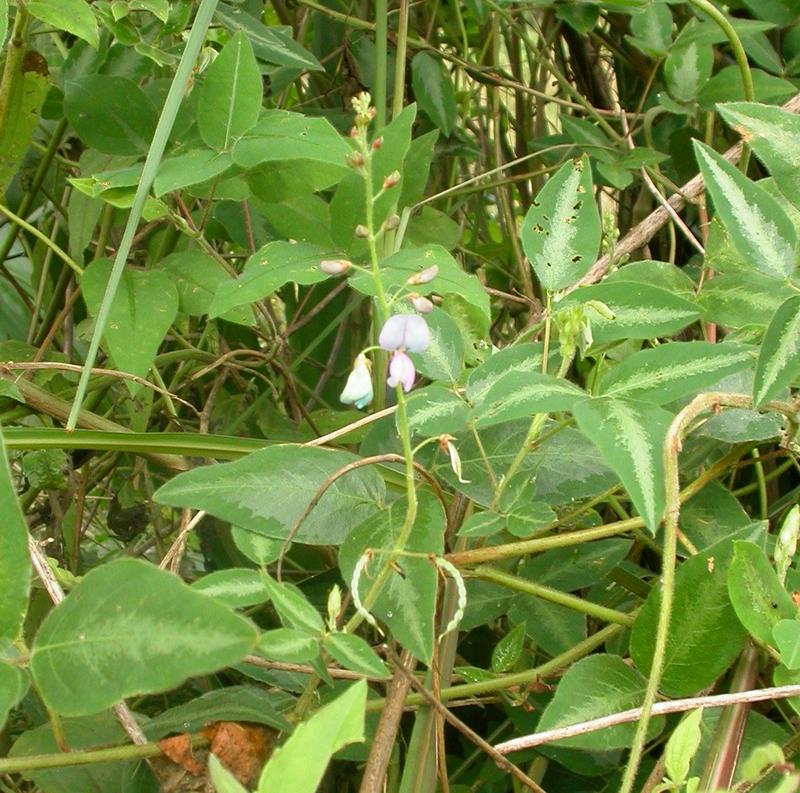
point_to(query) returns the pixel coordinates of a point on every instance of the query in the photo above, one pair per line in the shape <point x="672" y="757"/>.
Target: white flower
<point x="405" y="332"/>
<point x="358" y="389"/>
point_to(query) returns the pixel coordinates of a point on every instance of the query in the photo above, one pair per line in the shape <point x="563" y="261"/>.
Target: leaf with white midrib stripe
<point x="630" y="437"/>
<point x="779" y="360"/>
<point x="671" y="371"/>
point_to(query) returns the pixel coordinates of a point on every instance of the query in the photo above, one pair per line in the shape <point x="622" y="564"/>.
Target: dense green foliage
<point x="359" y="360"/>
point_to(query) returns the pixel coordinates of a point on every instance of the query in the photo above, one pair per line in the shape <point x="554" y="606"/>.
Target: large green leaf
<point x="15" y="566"/>
<point x="520" y="359"/>
<point x="756" y="593"/>
<point x="671" y="371"/>
<point x="267" y="491"/>
<point x="129" y="628"/>
<point x="299" y="764"/>
<point x="435" y="411"/>
<point x="268" y="269"/>
<point x="779" y="359"/>
<point x="630" y="437"/>
<point x="434" y="91"/>
<point x="640" y="311"/>
<point x="516" y="395"/>
<point x="561" y="231"/>
<point x="144" y="308"/>
<point x="230" y="97"/>
<point x="73" y="16"/>
<point x="774" y="135"/>
<point x="281" y="135"/>
<point x="597" y="686"/>
<point x="742" y="298"/>
<point x="758" y="225"/>
<point x="407" y="603"/>
<point x="703" y="641"/>
<point x="110" y="113"/>
<point x="450" y="278"/>
<point x="190" y="168"/>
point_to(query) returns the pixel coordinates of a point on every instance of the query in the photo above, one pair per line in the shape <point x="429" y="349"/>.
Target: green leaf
<point x="561" y="231"/>
<point x="417" y="168"/>
<point x="97" y="646"/>
<point x="711" y="515"/>
<point x="256" y="547"/>
<point x="653" y="273"/>
<point x="508" y="650"/>
<point x="352" y="652"/>
<point x="703" y="642"/>
<point x="434" y="92"/>
<point x="640" y="311"/>
<point x="190" y="168"/>
<point x="13" y="687"/>
<point x="110" y="113"/>
<point x="450" y="279"/>
<point x="289" y="645"/>
<point x="741" y="299"/>
<point x="144" y="308"/>
<point x="292" y="606"/>
<point x="281" y="135"/>
<point x="726" y="85"/>
<point x="267" y="270"/>
<point x="274" y="44"/>
<point x="299" y="764"/>
<point x="682" y="746"/>
<point x="597" y="686"/>
<point x="407" y="603"/>
<point x="15" y="565"/>
<point x="198" y="277"/>
<point x="630" y="437"/>
<point x="224" y="781"/>
<point x="9" y="390"/>
<point x="774" y="135"/>
<point x="519" y="359"/>
<point x="74" y="16"/>
<point x="671" y="371"/>
<point x="779" y="358"/>
<point x="267" y="491"/>
<point x="102" y="729"/>
<point x="3" y="22"/>
<point x="652" y="29"/>
<point x="756" y="593"/>
<point x="435" y="411"/>
<point x="237" y="587"/>
<point x="517" y="395"/>
<point x="550" y="626"/>
<point x="758" y="226"/>
<point x="232" y="703"/>
<point x="786" y="634"/>
<point x="230" y="97"/>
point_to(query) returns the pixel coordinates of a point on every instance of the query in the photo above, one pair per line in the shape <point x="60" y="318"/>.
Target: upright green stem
<point x="381" y="57"/>
<point x="398" y="92"/>
<point x="172" y="104"/>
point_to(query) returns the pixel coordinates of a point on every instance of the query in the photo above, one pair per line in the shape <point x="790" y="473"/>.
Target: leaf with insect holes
<point x="561" y="231"/>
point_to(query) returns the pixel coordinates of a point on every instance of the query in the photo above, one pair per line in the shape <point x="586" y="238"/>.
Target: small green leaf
<point x="671" y="371"/>
<point x="97" y="646"/>
<point x="758" y="225"/>
<point x="435" y="411"/>
<point x="15" y="566"/>
<point x="597" y="686"/>
<point x="779" y="359"/>
<point x="110" y="113"/>
<point x="267" y="491"/>
<point x="682" y="746"/>
<point x="289" y="645"/>
<point x="687" y="68"/>
<point x="630" y="438"/>
<point x="292" y="607"/>
<point x="256" y="547"/>
<point x="224" y="781"/>
<point x="434" y="92"/>
<point x="561" y="231"/>
<point x="235" y="587"/>
<point x="652" y="29"/>
<point x="353" y="653"/>
<point x="508" y="650"/>
<point x="13" y="687"/>
<point x="144" y="308"/>
<point x="299" y="764"/>
<point x="742" y="298"/>
<point x="757" y="596"/>
<point x="230" y="97"/>
<point x="190" y="168"/>
<point x="786" y="634"/>
<point x="74" y="16"/>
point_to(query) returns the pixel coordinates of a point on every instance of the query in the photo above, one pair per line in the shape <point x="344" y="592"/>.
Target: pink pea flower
<point x="405" y="332"/>
<point x="401" y="371"/>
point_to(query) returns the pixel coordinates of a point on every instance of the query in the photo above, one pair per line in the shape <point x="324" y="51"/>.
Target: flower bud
<point x="358" y="389"/>
<point x="362" y="231"/>
<point x="424" y="276"/>
<point x="334" y="266"/>
<point x="420" y="303"/>
<point x="377" y="143"/>
<point x="392" y="222"/>
<point x="355" y="159"/>
<point x="446" y="445"/>
<point x="391" y="180"/>
<point x="401" y="371"/>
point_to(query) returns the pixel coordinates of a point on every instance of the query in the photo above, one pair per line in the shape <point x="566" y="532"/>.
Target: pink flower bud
<point x="377" y="143"/>
<point x="420" y="303"/>
<point x="424" y="276"/>
<point x="355" y="159"/>
<point x="334" y="266"/>
<point x="391" y="180"/>
<point x="401" y="371"/>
